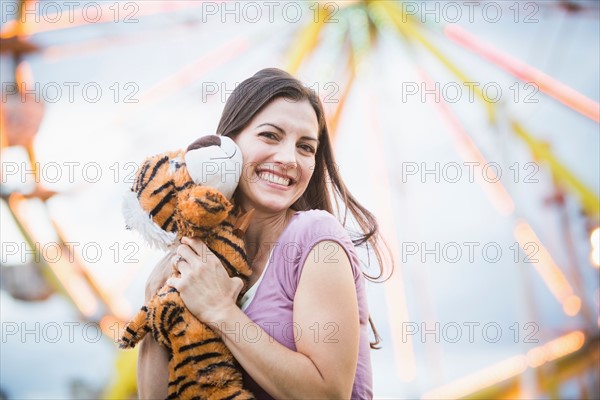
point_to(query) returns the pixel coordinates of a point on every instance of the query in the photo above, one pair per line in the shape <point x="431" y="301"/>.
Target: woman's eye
<point x="307" y="148"/>
<point x="268" y="135"/>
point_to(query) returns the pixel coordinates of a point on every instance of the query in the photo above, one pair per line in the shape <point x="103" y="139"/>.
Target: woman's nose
<point x="286" y="154"/>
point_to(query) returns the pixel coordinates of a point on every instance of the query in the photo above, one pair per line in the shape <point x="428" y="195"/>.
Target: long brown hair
<point x="255" y="93"/>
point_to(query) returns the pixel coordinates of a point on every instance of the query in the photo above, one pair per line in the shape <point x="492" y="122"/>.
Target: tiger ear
<point x="242" y="223"/>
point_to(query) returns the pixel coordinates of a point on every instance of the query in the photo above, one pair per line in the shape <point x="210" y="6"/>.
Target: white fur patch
<point x="219" y="167"/>
<point x="138" y="219"/>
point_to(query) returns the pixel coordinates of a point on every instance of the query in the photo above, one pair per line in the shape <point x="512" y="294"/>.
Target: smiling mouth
<point x="272" y="178"/>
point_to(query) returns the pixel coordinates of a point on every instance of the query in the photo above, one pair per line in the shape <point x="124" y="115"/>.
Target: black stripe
<point x="177" y="381"/>
<point x="228" y="378"/>
<point x="184" y="186"/>
<point x="223" y="364"/>
<point x="235" y="246"/>
<point x="162" y="202"/>
<point x="165" y="225"/>
<point x="172" y="184"/>
<point x="171" y="290"/>
<point x="156" y="330"/>
<point x="140" y="177"/>
<point x="199" y="358"/>
<point x="161" y="327"/>
<point x="172" y="315"/>
<point x="202" y="231"/>
<point x="151" y="317"/>
<point x="158" y="164"/>
<point x="232" y="271"/>
<point x="233" y="396"/>
<point x="163" y="187"/>
<point x="185" y="386"/>
<point x="175" y="322"/>
<point x="173" y="395"/>
<point x="198" y="344"/>
<point x="208" y="207"/>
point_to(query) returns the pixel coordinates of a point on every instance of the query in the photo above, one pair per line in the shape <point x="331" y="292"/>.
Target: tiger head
<point x="184" y="192"/>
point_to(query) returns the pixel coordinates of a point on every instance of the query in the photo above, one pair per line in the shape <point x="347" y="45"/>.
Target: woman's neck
<point x="264" y="230"/>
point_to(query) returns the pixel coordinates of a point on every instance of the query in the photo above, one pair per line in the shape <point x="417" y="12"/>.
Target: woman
<point x="302" y="331"/>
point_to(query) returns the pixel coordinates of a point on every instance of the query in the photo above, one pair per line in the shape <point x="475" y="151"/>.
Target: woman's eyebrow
<point x="284" y="132"/>
<point x="273" y="125"/>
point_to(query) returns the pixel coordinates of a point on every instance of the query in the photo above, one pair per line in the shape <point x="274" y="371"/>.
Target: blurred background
<point x="469" y="128"/>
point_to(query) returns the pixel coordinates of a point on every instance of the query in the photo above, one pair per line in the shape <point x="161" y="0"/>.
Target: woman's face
<point x="279" y="147"/>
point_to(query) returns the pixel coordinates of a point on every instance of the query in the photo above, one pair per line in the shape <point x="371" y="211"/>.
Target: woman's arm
<point x="326" y="296"/>
<point x="152" y="368"/>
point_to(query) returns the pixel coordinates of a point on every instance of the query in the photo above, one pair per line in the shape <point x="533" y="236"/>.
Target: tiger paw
<point x="135" y="330"/>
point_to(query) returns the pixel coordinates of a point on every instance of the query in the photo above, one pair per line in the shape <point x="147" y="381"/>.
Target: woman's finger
<point x="173" y="282"/>
<point x="199" y="247"/>
<point x="158" y="276"/>
<point x="176" y="265"/>
<point x="195" y="244"/>
<point x="175" y="259"/>
<point x="175" y="269"/>
<point x="238" y="285"/>
<point x="186" y="253"/>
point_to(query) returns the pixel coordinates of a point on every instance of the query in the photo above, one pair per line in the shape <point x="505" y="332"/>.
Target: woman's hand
<point x="159" y="275"/>
<point x="204" y="285"/>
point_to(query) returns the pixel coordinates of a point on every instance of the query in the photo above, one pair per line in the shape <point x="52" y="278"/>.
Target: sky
<point x="135" y="83"/>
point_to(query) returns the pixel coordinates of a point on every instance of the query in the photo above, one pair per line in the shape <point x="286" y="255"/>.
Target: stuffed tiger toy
<point x="180" y="194"/>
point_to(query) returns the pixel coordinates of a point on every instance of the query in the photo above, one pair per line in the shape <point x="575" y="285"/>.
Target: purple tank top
<point x="273" y="302"/>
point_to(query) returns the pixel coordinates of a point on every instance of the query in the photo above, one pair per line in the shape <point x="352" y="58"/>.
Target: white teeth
<point x="268" y="176"/>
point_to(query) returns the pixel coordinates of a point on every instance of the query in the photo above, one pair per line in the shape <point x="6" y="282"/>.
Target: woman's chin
<point x="274" y="208"/>
<point x="271" y="206"/>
